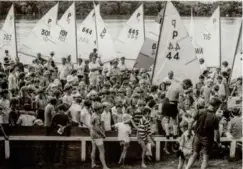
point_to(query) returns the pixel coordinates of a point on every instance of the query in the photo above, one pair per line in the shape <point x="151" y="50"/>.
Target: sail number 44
<point x="176" y="48"/>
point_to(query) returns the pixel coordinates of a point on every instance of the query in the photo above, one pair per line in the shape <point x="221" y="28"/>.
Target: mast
<point x="143" y="20"/>
<point x="76" y="41"/>
<point x="96" y="31"/>
<point x="236" y="49"/>
<point x="15" y="36"/>
<point x="220" y="56"/>
<point x="156" y="54"/>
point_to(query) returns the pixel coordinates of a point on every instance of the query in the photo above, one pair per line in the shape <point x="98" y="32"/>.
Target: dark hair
<point x="220" y="77"/>
<point x="188" y="82"/>
<point x="214" y="102"/>
<point x="201" y="77"/>
<point x="87" y="103"/>
<point x="53" y="101"/>
<point x="154" y="88"/>
<point x="151" y="103"/>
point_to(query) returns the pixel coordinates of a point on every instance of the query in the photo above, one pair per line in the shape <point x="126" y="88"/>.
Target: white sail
<point x="131" y="37"/>
<point x="175" y="50"/>
<point x="238" y="61"/>
<point x="41" y="39"/>
<point x="207" y="44"/>
<point x="8" y="35"/>
<point x="65" y="36"/>
<point x="105" y="45"/>
<point x="87" y="36"/>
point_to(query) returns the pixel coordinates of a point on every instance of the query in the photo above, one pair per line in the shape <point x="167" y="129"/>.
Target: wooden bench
<point x="84" y="139"/>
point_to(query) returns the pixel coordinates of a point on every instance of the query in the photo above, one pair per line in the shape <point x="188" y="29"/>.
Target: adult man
<point x="94" y="66"/>
<point x="49" y="112"/>
<point x="170" y="79"/>
<point x="19" y="64"/>
<point x="122" y="64"/>
<point x="205" y="132"/>
<point x="94" y="53"/>
<point x="170" y="109"/>
<point x="85" y="116"/>
<point x="63" y="72"/>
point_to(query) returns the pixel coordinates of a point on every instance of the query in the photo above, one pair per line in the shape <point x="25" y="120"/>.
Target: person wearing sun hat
<point x="106" y="117"/>
<point x="97" y="135"/>
<point x="75" y="109"/>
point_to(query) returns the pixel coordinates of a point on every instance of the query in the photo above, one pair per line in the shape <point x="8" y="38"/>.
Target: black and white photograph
<point x="121" y="84"/>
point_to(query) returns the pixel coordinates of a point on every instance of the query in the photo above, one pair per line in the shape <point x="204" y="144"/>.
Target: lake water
<point x="229" y="31"/>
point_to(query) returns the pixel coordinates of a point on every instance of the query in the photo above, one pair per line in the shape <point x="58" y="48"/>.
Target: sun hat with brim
<point x="126" y="118"/>
<point x="67" y="87"/>
<point x="76" y="95"/>
<point x="106" y="104"/>
<point x="97" y="106"/>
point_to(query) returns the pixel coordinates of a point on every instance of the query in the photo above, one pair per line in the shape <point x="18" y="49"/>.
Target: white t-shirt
<point x="26" y="120"/>
<point x="64" y="70"/>
<point x="67" y="99"/>
<point x="106" y="118"/>
<point x="124" y="130"/>
<point x="75" y="111"/>
<point x="85" y="117"/>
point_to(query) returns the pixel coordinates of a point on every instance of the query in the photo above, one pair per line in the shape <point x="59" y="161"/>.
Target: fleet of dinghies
<point x="171" y="48"/>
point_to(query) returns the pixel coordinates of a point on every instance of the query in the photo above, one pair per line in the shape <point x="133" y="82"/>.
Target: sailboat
<point x="8" y="35"/>
<point x="40" y="39"/>
<point x="64" y="36"/>
<point x="208" y="43"/>
<point x="105" y="44"/>
<point x="238" y="58"/>
<point x="87" y="36"/>
<point x="131" y="37"/>
<point x="174" y="50"/>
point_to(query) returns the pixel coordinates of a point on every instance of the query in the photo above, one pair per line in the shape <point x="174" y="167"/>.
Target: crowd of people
<point x="106" y="97"/>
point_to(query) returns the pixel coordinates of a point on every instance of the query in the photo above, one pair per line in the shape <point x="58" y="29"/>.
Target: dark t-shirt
<point x="60" y="119"/>
<point x="207" y="122"/>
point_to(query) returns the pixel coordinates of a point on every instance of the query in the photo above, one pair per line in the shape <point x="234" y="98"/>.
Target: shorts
<point x="202" y="143"/>
<point x="170" y="109"/>
<point x="98" y="141"/>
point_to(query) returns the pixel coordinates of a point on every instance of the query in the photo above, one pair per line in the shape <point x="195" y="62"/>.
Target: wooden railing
<point x="84" y="139"/>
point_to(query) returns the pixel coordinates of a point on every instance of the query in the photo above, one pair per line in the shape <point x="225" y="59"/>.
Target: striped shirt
<point x="144" y="128"/>
<point x="137" y="115"/>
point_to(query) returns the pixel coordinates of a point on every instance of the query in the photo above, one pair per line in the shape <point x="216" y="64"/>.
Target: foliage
<point x="37" y="9"/>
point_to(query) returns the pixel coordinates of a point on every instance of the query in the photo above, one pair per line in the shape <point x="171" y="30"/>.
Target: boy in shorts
<point x="144" y="132"/>
<point x="124" y="130"/>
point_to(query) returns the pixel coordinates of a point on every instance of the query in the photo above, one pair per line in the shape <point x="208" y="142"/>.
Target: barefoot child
<point x="144" y="133"/>
<point x="185" y="150"/>
<point x="124" y="130"/>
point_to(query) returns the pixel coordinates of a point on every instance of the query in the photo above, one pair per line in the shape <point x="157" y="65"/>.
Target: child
<point x="144" y="132"/>
<point x="124" y="130"/>
<point x="185" y="150"/>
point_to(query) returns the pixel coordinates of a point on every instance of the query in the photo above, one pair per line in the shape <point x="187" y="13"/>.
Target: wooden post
<point x="83" y="150"/>
<point x="232" y="149"/>
<point x="157" y="151"/>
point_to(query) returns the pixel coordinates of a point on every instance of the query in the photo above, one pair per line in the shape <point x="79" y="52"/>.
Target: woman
<point x="97" y="134"/>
